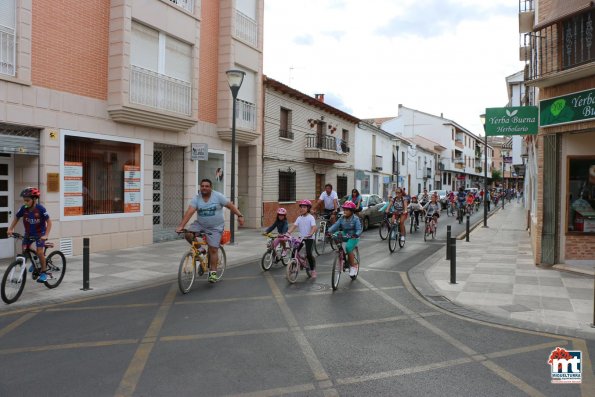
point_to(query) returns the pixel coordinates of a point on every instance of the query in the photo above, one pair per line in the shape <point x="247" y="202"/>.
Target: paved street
<point x="255" y="335"/>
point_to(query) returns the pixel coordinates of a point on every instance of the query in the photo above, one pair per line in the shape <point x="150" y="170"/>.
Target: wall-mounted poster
<point x="73" y="188"/>
<point x="132" y="186"/>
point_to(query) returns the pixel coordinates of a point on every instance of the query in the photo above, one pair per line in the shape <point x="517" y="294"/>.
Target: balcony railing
<point x="377" y="161"/>
<point x="159" y="91"/>
<point x="561" y="46"/>
<point x="245" y="115"/>
<point x="428" y="173"/>
<point x="459" y="144"/>
<point x="188" y="5"/>
<point x="326" y="142"/>
<point x="285" y="134"/>
<point x="246" y="29"/>
<point x="7" y="51"/>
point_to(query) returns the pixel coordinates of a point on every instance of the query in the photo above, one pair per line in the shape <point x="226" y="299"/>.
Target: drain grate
<point x="438" y="298"/>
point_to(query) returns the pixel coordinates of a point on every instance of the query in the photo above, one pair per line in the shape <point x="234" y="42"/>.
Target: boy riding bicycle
<point x="37" y="226"/>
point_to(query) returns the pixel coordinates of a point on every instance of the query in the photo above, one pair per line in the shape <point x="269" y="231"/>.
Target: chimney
<point x="319" y="97"/>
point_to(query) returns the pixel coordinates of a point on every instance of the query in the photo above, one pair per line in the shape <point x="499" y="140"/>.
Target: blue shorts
<point x="27" y="241"/>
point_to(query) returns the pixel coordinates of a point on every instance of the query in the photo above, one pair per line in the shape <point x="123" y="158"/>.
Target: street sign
<point x="519" y="120"/>
<point x="507" y="160"/>
<point x="566" y="109"/>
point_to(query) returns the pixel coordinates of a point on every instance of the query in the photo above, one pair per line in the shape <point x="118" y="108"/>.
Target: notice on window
<point x="73" y="188"/>
<point x="132" y="186"/>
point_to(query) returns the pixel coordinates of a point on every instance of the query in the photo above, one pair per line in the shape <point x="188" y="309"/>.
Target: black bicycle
<point x="15" y="276"/>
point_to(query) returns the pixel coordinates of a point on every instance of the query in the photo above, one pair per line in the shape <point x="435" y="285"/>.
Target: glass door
<point x="6" y="206"/>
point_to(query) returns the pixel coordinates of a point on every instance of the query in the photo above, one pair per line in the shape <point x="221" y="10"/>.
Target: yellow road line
<point x="102" y="307"/>
<point x="224" y="300"/>
<point x="510" y="378"/>
<point x="526" y="349"/>
<point x="278" y="391"/>
<point x="78" y="345"/>
<point x="588" y="380"/>
<point x="140" y="358"/>
<point x="177" y="338"/>
<point x="355" y="323"/>
<point x="18" y="322"/>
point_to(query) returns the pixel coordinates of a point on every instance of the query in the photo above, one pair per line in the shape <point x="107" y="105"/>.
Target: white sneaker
<point x="402" y="238"/>
<point x="353" y="270"/>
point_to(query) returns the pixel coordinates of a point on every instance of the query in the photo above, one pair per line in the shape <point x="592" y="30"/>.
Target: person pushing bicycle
<point x="37" y="224"/>
<point x="352" y="229"/>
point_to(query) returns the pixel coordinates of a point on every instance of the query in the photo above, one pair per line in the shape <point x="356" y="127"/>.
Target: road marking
<point x="355" y="323"/>
<point x="102" y="307"/>
<point x="65" y="346"/>
<point x="525" y="349"/>
<point x="224" y="300"/>
<point x="313" y="361"/>
<point x="388" y="298"/>
<point x="588" y="381"/>
<point x="18" y="322"/>
<point x="404" y="371"/>
<point x="278" y="391"/>
<point x="140" y="358"/>
<point x="177" y="338"/>
<point x="510" y="378"/>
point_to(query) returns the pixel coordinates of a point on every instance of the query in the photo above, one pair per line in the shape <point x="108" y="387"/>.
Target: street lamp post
<point x="485" y="171"/>
<point x="234" y="79"/>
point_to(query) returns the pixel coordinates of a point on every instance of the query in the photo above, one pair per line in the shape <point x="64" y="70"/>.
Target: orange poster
<point x="73" y="188"/>
<point x="132" y="182"/>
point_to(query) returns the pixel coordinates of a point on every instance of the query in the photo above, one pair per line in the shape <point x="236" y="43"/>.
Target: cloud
<point x="337" y="102"/>
<point x="304" y="40"/>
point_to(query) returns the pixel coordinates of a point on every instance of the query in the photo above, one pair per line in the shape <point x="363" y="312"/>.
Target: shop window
<point x="214" y="170"/>
<point x="341" y="186"/>
<point x="581" y="195"/>
<point x="286" y="186"/>
<point x="101" y="176"/>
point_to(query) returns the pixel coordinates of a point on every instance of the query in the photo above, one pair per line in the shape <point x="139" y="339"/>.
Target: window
<point x="581" y="195"/>
<point x="402" y="158"/>
<point x="577" y="40"/>
<point x="8" y="37"/>
<point x="341" y="186"/>
<point x="285" y="124"/>
<point x="286" y="186"/>
<point x="101" y="176"/>
<point x="161" y="70"/>
<point x="419" y="162"/>
<point x="213" y="169"/>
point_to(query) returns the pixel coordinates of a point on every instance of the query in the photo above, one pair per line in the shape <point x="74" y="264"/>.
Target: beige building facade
<point x="119" y="111"/>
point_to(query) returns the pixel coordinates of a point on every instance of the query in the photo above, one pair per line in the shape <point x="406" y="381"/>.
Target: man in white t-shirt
<point x="329" y="201"/>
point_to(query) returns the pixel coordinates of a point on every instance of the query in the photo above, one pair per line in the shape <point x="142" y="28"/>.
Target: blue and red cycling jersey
<point x="35" y="220"/>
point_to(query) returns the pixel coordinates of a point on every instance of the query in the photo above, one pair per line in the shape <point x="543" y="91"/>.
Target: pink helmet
<point x="349" y="205"/>
<point x="281" y="211"/>
<point x="307" y="203"/>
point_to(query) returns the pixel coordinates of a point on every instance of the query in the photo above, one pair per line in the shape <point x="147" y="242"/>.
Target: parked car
<point x="441" y="196"/>
<point x="369" y="215"/>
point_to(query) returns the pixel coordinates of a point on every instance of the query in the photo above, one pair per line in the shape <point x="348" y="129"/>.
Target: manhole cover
<point x="310" y="287"/>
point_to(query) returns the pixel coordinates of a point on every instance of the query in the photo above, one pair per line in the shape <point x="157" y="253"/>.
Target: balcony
<point x="377" y="163"/>
<point x="560" y="50"/>
<point x="478" y="154"/>
<point x="285" y="134"/>
<point x="245" y="123"/>
<point x="7" y="51"/>
<point x="478" y="169"/>
<point x="246" y="29"/>
<point x="459" y="144"/>
<point x="460" y="166"/>
<point x="187" y="5"/>
<point x="325" y="149"/>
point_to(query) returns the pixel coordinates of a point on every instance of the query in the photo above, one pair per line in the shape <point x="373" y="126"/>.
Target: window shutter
<point x="8" y="15"/>
<point x="178" y="59"/>
<point x="144" y="51"/>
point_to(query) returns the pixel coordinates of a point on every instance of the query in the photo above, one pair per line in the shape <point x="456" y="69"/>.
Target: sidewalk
<point x="498" y="281"/>
<point x="130" y="268"/>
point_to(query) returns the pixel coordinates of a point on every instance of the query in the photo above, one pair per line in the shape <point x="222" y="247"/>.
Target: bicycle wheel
<point x="292" y="269"/>
<point x="13" y="282"/>
<point x="55" y="264"/>
<point x="319" y="242"/>
<point x="186" y="272"/>
<point x="434" y="227"/>
<point x="401" y="241"/>
<point x="412" y="223"/>
<point x="222" y="264"/>
<point x="267" y="260"/>
<point x="392" y="238"/>
<point x="333" y="244"/>
<point x="383" y="230"/>
<point x="336" y="273"/>
<point x="358" y="263"/>
<point x="426" y="232"/>
<point x="285" y="258"/>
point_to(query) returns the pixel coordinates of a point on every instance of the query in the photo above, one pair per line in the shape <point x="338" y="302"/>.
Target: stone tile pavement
<point x="496" y="276"/>
<point x="126" y="269"/>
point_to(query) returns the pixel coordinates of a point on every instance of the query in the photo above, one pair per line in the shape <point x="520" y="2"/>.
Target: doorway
<point x="6" y="204"/>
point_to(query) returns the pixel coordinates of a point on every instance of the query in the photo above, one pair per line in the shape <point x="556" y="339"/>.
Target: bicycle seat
<point x="49" y="245"/>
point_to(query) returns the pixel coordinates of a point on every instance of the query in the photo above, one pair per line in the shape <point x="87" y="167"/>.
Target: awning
<point x="19" y="140"/>
<point x="562" y="9"/>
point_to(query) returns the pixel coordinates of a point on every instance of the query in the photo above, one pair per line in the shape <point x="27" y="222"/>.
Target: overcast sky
<point x="367" y="56"/>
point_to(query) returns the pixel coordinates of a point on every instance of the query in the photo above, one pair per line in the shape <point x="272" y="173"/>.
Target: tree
<point x="496" y="175"/>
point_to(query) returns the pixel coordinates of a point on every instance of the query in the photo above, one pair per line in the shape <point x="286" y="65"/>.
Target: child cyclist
<point x="282" y="226"/>
<point x="37" y="226"/>
<point x="306" y="225"/>
<point x="470" y="201"/>
<point x="398" y="208"/>
<point x="432" y="209"/>
<point x="352" y="229"/>
<point x="415" y="208"/>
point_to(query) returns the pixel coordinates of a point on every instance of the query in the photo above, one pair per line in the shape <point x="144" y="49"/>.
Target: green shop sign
<point x="520" y="120"/>
<point x="567" y="109"/>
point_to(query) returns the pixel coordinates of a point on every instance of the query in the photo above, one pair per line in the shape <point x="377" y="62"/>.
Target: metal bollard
<point x="453" y="260"/>
<point x="503" y="200"/>
<point x="86" y="265"/>
<point x="448" y="242"/>
<point x="467" y="234"/>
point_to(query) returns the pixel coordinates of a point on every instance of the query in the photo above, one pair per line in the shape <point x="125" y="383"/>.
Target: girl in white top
<point x="306" y="225"/>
